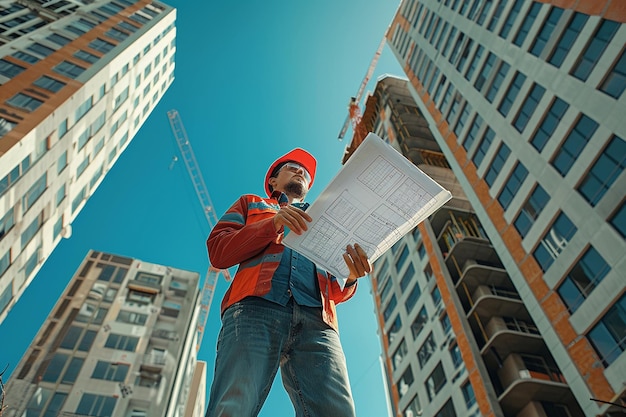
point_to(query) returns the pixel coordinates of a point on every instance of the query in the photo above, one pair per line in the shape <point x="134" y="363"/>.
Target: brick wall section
<point x="478" y="384"/>
<point x="608" y="9"/>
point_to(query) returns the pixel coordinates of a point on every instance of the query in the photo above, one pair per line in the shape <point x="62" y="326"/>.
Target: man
<point x="280" y="308"/>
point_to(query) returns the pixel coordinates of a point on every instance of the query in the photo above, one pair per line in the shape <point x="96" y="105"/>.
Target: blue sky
<point x="253" y="81"/>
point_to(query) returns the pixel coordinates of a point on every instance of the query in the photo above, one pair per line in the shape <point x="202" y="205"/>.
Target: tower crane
<point x="193" y="169"/>
<point x="354" y="111"/>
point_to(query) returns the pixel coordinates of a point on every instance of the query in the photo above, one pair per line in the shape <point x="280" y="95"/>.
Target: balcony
<point x="165" y="334"/>
<point x="527" y="378"/>
<point x="491" y="300"/>
<point x="144" y="286"/>
<point x="153" y="362"/>
<point x="507" y="335"/>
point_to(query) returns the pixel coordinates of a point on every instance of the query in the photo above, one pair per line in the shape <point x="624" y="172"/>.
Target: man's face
<point x="292" y="179"/>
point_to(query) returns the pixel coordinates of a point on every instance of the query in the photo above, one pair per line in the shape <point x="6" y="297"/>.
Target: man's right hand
<point x="293" y="218"/>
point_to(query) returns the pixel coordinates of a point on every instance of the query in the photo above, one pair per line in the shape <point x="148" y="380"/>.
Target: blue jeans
<point x="257" y="337"/>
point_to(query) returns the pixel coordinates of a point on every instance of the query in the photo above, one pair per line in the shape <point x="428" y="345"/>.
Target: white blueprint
<point x="375" y="199"/>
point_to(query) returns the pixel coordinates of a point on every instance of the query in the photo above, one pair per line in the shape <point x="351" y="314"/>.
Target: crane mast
<point x="212" y="275"/>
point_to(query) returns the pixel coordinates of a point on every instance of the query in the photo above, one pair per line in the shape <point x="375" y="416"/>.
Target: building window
<point x="24" y="102"/>
<point x="531" y="210"/>
<point x="68" y="69"/>
<point x="554" y="241"/>
<point x="385" y="289"/>
<point x="497" y="13"/>
<point x="512" y="185"/>
<point x="86" y="56"/>
<point x="588" y="272"/>
<point x="390" y="306"/>
<point x="467" y="109"/>
<point x="96" y="405"/>
<point x="511" y="94"/>
<point x="549" y="124"/>
<point x="412" y="298"/>
<point x="510" y="19"/>
<point x="497" y="81"/>
<point x="405" y="381"/>
<point x="394" y="329"/>
<point x="604" y="172"/>
<point x="121" y="98"/>
<point x="573" y="145"/>
<point x="40" y="49"/>
<point x="78" y="199"/>
<point x="110" y="371"/>
<point x="49" y="84"/>
<point x="6" y="223"/>
<point x="497" y="164"/>
<point x="455" y="355"/>
<point x="618" y="220"/>
<point x="485" y="71"/>
<point x="545" y="33"/>
<point x="436" y="296"/>
<point x="483" y="146"/>
<point x="122" y="342"/>
<point x="116" y="34"/>
<point x="615" y="82"/>
<point x="44" y="400"/>
<point x="58" y="39"/>
<point x="5" y="127"/>
<point x="402" y="258"/>
<point x="9" y="69"/>
<point x="23" y="56"/>
<point x="399" y="354"/>
<point x="31" y="230"/>
<point x="529" y="19"/>
<point x="528" y="107"/>
<point x="7" y="294"/>
<point x="418" y="324"/>
<point x="58" y="227"/>
<point x="101" y="45"/>
<point x="446" y="325"/>
<point x="447" y="410"/>
<point x="407" y="277"/>
<point x="474" y="62"/>
<point x="435" y="381"/>
<point x="594" y="49"/>
<point x="567" y="39"/>
<point x="426" y="350"/>
<point x="608" y="337"/>
<point x="468" y="395"/>
<point x="414" y="408"/>
<point x="34" y="192"/>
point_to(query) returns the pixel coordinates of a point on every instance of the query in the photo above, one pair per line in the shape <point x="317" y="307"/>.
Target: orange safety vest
<point x="246" y="235"/>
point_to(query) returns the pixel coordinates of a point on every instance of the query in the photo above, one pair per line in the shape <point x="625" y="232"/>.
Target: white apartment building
<point x="77" y="81"/>
<point x="120" y="342"/>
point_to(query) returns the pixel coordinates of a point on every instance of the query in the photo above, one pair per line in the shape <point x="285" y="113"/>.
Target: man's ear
<point x="272" y="182"/>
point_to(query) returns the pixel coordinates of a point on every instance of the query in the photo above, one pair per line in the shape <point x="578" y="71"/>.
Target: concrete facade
<point x="120" y="342"/>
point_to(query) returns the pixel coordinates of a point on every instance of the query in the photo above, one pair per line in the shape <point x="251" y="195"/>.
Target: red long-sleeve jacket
<point x="246" y="235"/>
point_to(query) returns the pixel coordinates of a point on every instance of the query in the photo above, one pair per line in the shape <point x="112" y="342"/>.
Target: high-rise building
<point x="120" y="342"/>
<point x="525" y="99"/>
<point x="456" y="337"/>
<point x="77" y="80"/>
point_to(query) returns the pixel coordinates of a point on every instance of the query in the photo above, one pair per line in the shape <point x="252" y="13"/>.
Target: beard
<point x="295" y="189"/>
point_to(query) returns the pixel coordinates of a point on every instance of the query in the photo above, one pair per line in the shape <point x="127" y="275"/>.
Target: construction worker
<point x="280" y="308"/>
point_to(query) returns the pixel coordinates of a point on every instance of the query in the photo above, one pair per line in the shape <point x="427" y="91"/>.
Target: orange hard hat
<point x="298" y="155"/>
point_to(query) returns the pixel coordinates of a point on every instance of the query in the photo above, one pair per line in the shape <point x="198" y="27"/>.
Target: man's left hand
<point x="358" y="263"/>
